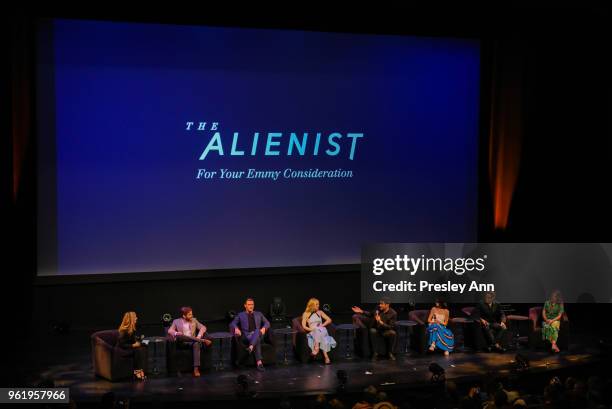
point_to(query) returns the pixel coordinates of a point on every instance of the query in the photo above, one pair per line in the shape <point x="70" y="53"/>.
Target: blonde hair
<point x="310" y="305"/>
<point x="128" y="323"/>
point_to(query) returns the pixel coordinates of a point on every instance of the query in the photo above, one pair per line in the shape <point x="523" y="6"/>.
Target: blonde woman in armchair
<point x="315" y="321"/>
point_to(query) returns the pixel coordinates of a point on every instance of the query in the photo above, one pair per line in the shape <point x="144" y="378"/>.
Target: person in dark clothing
<point x="250" y="326"/>
<point x="381" y="323"/>
<point x="129" y="343"/>
<point x="492" y="321"/>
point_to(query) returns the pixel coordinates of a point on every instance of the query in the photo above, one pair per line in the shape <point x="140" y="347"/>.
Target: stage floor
<point x="408" y="371"/>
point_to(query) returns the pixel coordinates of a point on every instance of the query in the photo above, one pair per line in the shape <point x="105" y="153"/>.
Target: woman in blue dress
<point x="315" y="322"/>
<point x="439" y="335"/>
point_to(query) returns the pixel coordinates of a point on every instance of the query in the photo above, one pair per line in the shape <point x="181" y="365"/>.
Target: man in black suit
<point x="492" y="322"/>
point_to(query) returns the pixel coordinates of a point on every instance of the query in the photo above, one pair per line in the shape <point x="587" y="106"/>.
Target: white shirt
<point x="186" y="328"/>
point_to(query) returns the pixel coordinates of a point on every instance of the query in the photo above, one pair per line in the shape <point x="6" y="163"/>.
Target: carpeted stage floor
<point x="68" y="364"/>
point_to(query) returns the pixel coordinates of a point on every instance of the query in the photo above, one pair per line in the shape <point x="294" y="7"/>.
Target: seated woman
<point x="439" y="335"/>
<point x="128" y="342"/>
<point x="552" y="314"/>
<point x="314" y="322"/>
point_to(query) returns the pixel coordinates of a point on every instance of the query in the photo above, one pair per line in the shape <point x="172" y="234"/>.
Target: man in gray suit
<point x="183" y="330"/>
<point x="250" y="326"/>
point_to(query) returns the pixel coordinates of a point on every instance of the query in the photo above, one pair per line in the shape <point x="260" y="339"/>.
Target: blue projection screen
<point x="169" y="148"/>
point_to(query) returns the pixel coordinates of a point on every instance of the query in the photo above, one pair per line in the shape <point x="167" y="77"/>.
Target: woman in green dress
<point x="552" y="314"/>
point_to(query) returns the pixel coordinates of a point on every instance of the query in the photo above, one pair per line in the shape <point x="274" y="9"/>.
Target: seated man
<point x="183" y="330"/>
<point x="249" y="327"/>
<point x="381" y="323"/>
<point x="492" y="321"/>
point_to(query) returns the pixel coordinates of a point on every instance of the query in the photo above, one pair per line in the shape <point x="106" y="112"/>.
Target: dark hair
<point x="185" y="310"/>
<point x="442" y="302"/>
<point x="385" y="300"/>
<point x="249" y="299"/>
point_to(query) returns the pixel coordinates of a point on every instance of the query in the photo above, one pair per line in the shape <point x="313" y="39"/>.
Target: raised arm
<point x="326" y="319"/>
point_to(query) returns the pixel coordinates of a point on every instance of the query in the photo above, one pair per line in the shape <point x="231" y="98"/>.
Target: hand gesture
<point x="263" y="331"/>
<point x="237" y="332"/>
<point x="378" y="319"/>
<point x="357" y="310"/>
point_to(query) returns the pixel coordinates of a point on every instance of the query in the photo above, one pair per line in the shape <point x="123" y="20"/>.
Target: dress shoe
<point x="500" y="349"/>
<point x="391" y="356"/>
<point x="261" y="368"/>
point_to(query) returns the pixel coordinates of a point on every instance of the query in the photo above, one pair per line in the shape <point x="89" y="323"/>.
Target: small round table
<point x="348" y="328"/>
<point x="285" y="332"/>
<point x="154" y="342"/>
<point x="408" y="324"/>
<point x="220" y="336"/>
<point x="514" y="322"/>
<point x="460" y="323"/>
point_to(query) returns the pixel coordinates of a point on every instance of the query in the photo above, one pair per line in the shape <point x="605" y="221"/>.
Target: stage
<point x="408" y="373"/>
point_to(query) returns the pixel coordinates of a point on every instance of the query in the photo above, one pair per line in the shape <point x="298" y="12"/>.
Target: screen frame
<point x="483" y="204"/>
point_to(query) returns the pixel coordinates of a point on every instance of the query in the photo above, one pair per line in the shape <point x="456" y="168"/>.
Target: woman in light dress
<point x="315" y="321"/>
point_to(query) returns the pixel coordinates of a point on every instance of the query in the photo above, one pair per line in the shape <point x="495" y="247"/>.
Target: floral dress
<point x="550" y="332"/>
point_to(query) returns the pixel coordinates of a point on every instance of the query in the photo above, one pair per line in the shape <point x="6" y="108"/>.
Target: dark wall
<point x="563" y="190"/>
<point x="101" y="305"/>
